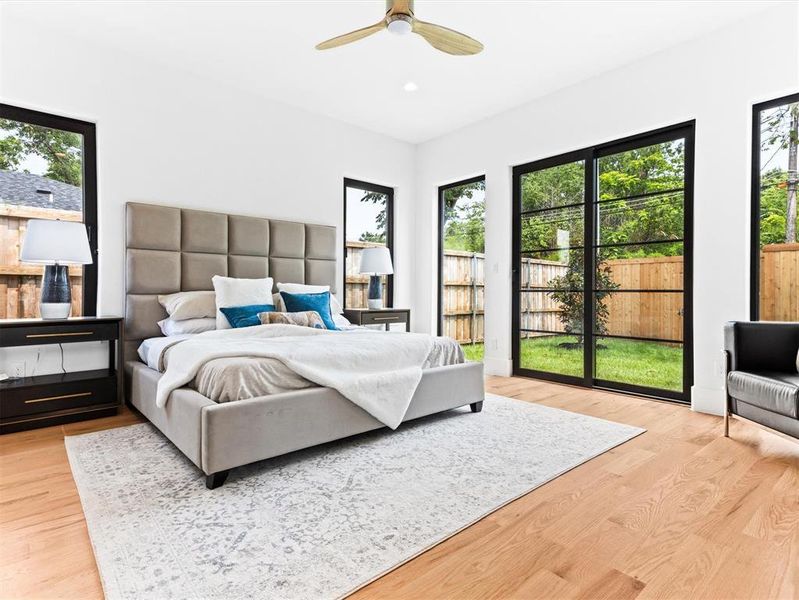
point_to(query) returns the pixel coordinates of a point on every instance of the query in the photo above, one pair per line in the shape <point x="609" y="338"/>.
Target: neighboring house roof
<point x="24" y="189"/>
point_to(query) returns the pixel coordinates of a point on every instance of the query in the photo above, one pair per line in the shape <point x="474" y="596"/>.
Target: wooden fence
<point x="646" y="314"/>
<point x="20" y="284"/>
<point x="779" y="282"/>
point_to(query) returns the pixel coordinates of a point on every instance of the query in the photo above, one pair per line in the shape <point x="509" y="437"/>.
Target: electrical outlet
<point x="17" y="369"/>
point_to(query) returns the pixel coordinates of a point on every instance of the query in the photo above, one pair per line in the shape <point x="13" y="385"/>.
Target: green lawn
<point x="650" y="364"/>
<point x="473" y="352"/>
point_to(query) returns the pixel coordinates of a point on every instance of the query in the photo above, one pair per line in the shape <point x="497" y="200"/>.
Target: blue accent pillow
<point x="245" y="316"/>
<point x="319" y="302"/>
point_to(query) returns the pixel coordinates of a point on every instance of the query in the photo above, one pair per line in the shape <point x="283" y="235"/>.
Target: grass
<point x="473" y="352"/>
<point x="651" y="364"/>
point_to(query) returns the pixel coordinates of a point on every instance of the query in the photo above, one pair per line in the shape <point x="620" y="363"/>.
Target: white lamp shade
<point x="50" y="242"/>
<point x="377" y="261"/>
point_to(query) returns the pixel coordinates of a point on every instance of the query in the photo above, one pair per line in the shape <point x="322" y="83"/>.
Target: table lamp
<point x="376" y="262"/>
<point x="55" y="244"/>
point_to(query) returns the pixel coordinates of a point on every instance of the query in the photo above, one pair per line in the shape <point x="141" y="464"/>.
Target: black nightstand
<point x="43" y="400"/>
<point x="379" y="316"/>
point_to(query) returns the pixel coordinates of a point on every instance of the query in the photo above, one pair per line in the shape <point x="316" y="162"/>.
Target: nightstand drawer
<point x="35" y="399"/>
<point x="59" y="334"/>
<point x="383" y="317"/>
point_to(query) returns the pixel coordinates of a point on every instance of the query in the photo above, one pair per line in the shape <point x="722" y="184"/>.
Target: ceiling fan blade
<point x="447" y="40"/>
<point x="352" y="36"/>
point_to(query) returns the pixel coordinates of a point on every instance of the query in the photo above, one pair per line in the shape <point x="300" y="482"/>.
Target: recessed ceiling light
<point x="410" y="87"/>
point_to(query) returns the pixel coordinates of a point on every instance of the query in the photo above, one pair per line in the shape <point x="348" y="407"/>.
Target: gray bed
<point x="173" y="249"/>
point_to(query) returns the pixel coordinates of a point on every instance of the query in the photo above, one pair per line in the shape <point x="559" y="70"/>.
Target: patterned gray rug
<point x="318" y="523"/>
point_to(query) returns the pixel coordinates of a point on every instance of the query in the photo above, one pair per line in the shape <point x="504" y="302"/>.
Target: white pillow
<point x="172" y="327"/>
<point x="231" y="291"/>
<point x="342" y="322"/>
<point x="189" y="305"/>
<point x="301" y="288"/>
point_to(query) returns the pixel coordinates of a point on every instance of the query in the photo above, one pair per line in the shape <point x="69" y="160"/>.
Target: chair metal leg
<point x="727" y="422"/>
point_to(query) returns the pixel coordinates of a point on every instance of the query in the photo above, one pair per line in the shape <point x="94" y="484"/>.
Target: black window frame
<point x="591" y="155"/>
<point x="441" y="191"/>
<point x="378" y="189"/>
<point x="89" y="185"/>
<point x="754" y="254"/>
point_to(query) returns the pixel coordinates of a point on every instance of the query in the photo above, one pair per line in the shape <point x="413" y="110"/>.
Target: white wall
<point x="714" y="80"/>
<point x="168" y="137"/>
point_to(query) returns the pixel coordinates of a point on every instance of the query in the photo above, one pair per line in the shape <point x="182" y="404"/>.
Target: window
<point x="47" y="171"/>
<point x="461" y="264"/>
<point x="775" y="226"/>
<point x="602" y="265"/>
<point x="368" y="222"/>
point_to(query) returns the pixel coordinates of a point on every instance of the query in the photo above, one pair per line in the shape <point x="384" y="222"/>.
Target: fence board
<point x="779" y="282"/>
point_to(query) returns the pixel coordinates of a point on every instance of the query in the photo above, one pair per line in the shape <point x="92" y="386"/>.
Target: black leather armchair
<point x="761" y="380"/>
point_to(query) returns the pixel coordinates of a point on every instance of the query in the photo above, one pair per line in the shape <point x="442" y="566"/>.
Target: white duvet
<point x="379" y="373"/>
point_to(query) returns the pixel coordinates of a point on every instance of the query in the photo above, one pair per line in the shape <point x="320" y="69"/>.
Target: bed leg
<point x="476" y="406"/>
<point x="214" y="480"/>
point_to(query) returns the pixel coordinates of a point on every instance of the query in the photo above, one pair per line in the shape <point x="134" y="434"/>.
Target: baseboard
<point x="707" y="400"/>
<point x="502" y="367"/>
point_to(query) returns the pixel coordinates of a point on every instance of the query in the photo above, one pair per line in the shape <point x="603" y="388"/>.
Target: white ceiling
<point x="531" y="48"/>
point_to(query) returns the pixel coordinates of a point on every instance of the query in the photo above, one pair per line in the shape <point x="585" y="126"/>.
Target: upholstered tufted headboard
<point x="177" y="250"/>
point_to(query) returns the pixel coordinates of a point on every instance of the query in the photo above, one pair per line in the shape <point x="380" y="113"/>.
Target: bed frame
<point x="176" y="249"/>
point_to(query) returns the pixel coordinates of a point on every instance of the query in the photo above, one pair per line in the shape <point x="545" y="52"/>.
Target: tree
<point x="60" y="149"/>
<point x="11" y="152"/>
<point x="779" y="131"/>
<point x="567" y="292"/>
<point x="464" y="222"/>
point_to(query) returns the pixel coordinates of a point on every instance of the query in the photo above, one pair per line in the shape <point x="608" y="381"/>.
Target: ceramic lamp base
<point x="375" y="292"/>
<point x="56" y="302"/>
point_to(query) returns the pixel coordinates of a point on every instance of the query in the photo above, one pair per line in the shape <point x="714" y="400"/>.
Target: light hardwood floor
<point x="679" y="512"/>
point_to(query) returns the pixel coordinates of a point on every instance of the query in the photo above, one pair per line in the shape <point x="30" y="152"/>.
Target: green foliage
<point x="61" y="149"/>
<point x="369" y="236"/>
<point x="464" y="221"/>
<point x="567" y="292"/>
<point x="773" y="207"/>
<point x="779" y="131"/>
<point x="381" y="200"/>
<point x="11" y="153"/>
<point x="654" y="168"/>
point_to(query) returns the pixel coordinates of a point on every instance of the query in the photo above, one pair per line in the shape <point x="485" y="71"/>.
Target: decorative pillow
<point x="301" y="288"/>
<point x="245" y="316"/>
<point x="342" y="322"/>
<point x="239" y="292"/>
<point x="189" y="305"/>
<point x="318" y="302"/>
<point x="308" y="318"/>
<point x="172" y="327"/>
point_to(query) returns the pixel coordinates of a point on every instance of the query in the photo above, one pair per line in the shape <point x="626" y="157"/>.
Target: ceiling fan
<point x="399" y="19"/>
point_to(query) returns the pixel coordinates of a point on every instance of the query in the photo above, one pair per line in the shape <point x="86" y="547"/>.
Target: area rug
<point x="318" y="523"/>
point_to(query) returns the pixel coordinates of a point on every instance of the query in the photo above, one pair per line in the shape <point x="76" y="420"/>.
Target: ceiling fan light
<point x="399" y="24"/>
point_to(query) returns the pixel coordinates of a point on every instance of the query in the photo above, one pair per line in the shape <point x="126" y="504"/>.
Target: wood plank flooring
<point x="679" y="512"/>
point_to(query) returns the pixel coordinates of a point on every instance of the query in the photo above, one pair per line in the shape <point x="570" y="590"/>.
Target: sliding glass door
<point x="602" y="269"/>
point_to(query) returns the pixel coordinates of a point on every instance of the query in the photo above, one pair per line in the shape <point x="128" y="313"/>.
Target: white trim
<point x="707" y="400"/>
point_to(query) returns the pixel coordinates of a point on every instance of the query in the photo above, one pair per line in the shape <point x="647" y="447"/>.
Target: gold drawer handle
<point x="386" y="318"/>
<point x="45" y="335"/>
<point x="49" y="398"/>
